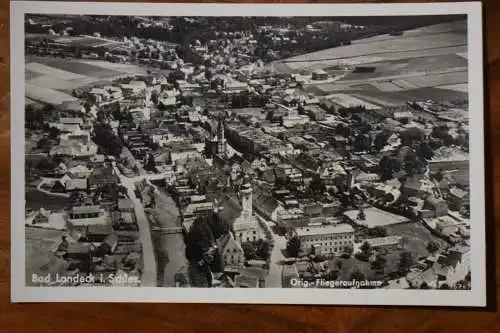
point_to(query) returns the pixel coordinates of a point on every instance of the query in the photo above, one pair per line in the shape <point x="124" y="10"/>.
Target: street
<point x="149" y="275"/>
<point x="273" y="279"/>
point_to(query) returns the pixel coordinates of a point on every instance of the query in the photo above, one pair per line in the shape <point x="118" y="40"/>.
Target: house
<point x="99" y="95"/>
<point x="230" y="251"/>
<point x="98" y="161"/>
<point x="77" y="184"/>
<point x="437" y="205"/>
<point x="452" y="266"/>
<point x="250" y="277"/>
<point x="79" y="171"/>
<point x="78" y="251"/>
<point x="457" y="198"/>
<point x="289" y="276"/>
<point x="403" y="117"/>
<point x="102" y="176"/>
<point x="41" y="217"/>
<point x="195" y="210"/>
<point x="73" y="150"/>
<point x="108" y="246"/>
<point x="325" y="239"/>
<point x="125" y="205"/>
<point x="97" y="233"/>
<point x="82" y="216"/>
<point x="417" y="186"/>
<point x="68" y="124"/>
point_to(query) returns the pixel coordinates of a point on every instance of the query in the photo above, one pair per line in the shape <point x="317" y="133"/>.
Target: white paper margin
<point x="474" y="297"/>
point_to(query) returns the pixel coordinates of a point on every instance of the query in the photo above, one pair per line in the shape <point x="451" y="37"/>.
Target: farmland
<point x="51" y="80"/>
<point x="425" y="63"/>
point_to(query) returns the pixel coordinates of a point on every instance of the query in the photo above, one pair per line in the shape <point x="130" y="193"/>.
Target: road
<point x="149" y="274"/>
<point x="273" y="279"/>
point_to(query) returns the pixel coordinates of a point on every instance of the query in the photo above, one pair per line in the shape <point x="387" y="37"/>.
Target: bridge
<point x="167" y="230"/>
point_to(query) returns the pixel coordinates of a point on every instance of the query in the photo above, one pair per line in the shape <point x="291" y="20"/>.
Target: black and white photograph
<point x="188" y="152"/>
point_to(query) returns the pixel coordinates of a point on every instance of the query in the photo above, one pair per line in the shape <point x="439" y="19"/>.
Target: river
<point x="169" y="247"/>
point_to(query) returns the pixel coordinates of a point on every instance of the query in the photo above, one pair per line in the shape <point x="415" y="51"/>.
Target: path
<point x="149" y="274"/>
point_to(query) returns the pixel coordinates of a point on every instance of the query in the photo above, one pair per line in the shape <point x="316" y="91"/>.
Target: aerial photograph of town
<point x="247" y="152"/>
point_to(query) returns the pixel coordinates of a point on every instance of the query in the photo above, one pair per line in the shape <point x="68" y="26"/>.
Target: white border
<point x="475" y="297"/>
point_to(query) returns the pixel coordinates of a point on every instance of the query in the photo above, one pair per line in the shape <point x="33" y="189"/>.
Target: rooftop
<point x="324" y="230"/>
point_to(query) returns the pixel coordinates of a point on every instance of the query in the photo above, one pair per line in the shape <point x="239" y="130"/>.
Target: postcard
<point x="248" y="153"/>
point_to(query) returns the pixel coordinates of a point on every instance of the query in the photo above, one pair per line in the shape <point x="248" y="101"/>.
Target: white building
<point x="326" y="239"/>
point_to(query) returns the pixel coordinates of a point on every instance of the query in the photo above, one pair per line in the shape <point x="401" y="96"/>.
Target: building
<point x="41" y="217"/>
<point x="195" y="210"/>
<point x="289" y="276"/>
<point x="319" y="75"/>
<point x="452" y="161"/>
<point x="326" y="239"/>
<point x="218" y="144"/>
<point x="230" y="251"/>
<point x="239" y="213"/>
<point x="83" y="216"/>
<point x="452" y="266"/>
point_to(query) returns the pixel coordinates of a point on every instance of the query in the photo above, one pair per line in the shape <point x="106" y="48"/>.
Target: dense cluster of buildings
<point x="251" y="147"/>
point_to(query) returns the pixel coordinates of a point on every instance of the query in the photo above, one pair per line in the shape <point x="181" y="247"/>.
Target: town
<point x="196" y="152"/>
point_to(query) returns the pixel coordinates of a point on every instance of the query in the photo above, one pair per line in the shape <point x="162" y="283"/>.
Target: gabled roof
<point x="227" y="240"/>
<point x="76" y="184"/>
<point x="85" y="209"/>
<point x="125" y="204"/>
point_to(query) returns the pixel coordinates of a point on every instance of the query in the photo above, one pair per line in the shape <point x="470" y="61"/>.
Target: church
<point x="237" y="212"/>
<point x="217" y="146"/>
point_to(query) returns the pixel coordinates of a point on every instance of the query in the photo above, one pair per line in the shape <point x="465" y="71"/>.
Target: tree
<point x="381" y="140"/>
<point x="378" y="231"/>
<point x="424" y="151"/>
<point x="263" y="249"/>
<point x="405" y="262"/>
<point x="366" y="251"/>
<point x="54" y="133"/>
<point x="432" y="247"/>
<point x="362" y="142"/>
<point x="249" y="250"/>
<point x="293" y="246"/>
<point x="316" y="185"/>
<point x="347" y="251"/>
<point x="150" y="163"/>
<point x="44" y="144"/>
<point x="46" y="164"/>
<point x="379" y="262"/>
<point x="357" y="275"/>
<point x="107" y="140"/>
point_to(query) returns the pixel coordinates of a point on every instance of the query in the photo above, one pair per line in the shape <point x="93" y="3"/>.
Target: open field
<point x="415" y="237"/>
<point x="447" y="36"/>
<point x="47" y="95"/>
<point x="346" y="101"/>
<point x="36" y="199"/>
<point x="73" y="66"/>
<point x="86" y="41"/>
<point x="51" y="80"/>
<point x="39" y="246"/>
<point x="425" y="63"/>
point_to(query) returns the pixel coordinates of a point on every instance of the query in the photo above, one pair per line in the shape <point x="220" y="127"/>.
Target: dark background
<point x="170" y="318"/>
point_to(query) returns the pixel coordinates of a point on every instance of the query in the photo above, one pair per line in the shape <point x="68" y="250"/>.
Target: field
<point x="39" y="246"/>
<point x="345" y="101"/>
<point x="51" y="80"/>
<point x="86" y="41"/>
<point x="425" y="63"/>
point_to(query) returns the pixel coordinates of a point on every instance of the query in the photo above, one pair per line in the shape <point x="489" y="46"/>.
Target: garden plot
<point x="346" y="101"/>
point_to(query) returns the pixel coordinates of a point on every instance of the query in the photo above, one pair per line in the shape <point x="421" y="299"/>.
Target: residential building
<point x="326" y="239"/>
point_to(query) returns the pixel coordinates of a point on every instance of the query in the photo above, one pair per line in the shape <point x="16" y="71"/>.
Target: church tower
<point x="246" y="198"/>
<point x="221" y="140"/>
